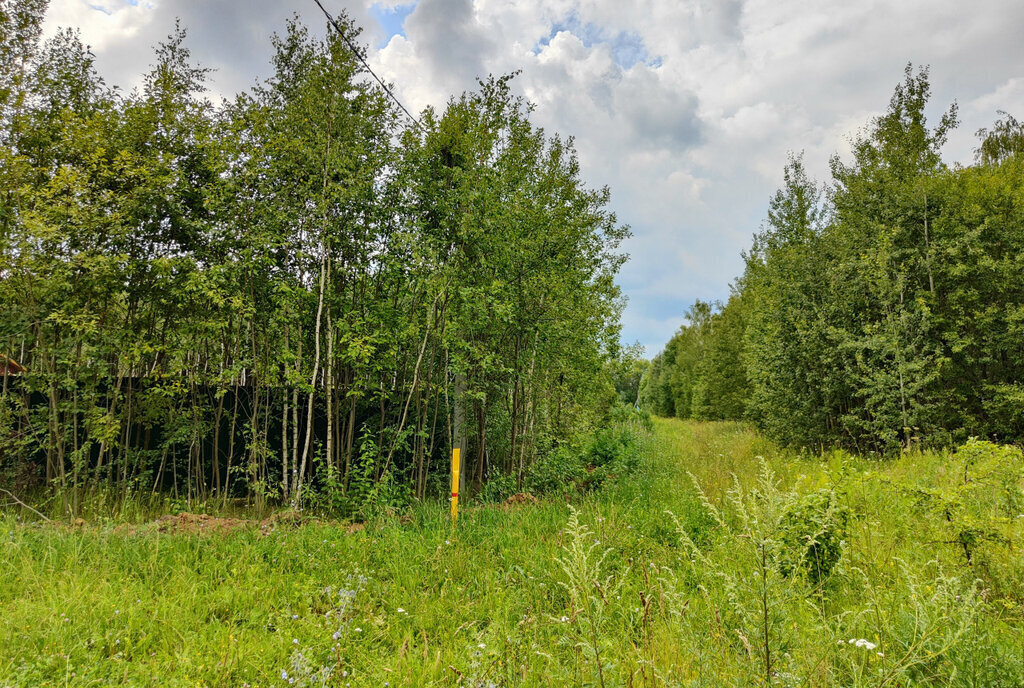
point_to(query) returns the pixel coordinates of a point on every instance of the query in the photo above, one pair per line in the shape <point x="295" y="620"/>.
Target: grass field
<point x="610" y="590"/>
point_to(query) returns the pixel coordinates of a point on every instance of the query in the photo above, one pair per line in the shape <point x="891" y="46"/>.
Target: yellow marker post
<point x="455" y="483"/>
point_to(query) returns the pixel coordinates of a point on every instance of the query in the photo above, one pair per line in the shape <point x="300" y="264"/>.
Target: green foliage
<point x="630" y="416"/>
<point x="609" y="447"/>
<point x="763" y="532"/>
<point x="915" y="641"/>
<point x="655" y="394"/>
<point x="560" y="470"/>
<point x="986" y="494"/>
<point x="590" y="591"/>
<point x="879" y="312"/>
<point x="628" y="371"/>
<point x="812" y="535"/>
<point x="292" y="298"/>
<point x="789" y="350"/>
<point x="535" y="594"/>
<point x="498" y="488"/>
<point x="1000" y="468"/>
<point x="701" y="373"/>
<point x="610" y="453"/>
<point x="1004" y="141"/>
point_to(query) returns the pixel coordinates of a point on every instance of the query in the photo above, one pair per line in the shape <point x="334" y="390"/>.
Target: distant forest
<point x="881" y="311"/>
<point x="296" y="287"/>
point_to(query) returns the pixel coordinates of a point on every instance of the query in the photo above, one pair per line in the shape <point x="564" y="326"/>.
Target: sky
<point x="686" y="109"/>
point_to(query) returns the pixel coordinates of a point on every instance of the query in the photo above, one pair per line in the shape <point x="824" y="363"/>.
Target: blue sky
<point x="391" y="19"/>
<point x="626" y="48"/>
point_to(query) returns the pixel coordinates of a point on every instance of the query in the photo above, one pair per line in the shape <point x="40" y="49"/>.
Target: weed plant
<point x="778" y="569"/>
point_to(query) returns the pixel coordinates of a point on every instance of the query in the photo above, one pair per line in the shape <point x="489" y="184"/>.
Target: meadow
<point x="723" y="560"/>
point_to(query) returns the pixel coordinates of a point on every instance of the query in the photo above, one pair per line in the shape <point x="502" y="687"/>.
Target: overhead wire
<point x="359" y="56"/>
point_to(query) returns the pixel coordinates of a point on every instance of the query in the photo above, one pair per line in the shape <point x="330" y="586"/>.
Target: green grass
<point x="517" y="596"/>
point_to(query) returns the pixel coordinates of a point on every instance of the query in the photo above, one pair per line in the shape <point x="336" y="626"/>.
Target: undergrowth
<point x="772" y="569"/>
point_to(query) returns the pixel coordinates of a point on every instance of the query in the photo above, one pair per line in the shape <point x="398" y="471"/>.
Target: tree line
<point x="295" y="288"/>
<point x="880" y="311"/>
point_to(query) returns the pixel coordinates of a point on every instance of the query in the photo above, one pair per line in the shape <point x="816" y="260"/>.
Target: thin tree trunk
<point x="284" y="424"/>
<point x="412" y="390"/>
<point x="928" y="248"/>
<point x="351" y="429"/>
<point x="316" y="373"/>
<point x="295" y="420"/>
<point x="231" y="442"/>
<point x="530" y="411"/>
<point x="459" y="424"/>
<point x="481" y="414"/>
<point x="215" y="468"/>
<point x="160" y="471"/>
<point x="329" y="391"/>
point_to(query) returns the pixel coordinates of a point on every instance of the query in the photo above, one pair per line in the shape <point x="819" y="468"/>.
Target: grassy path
<point x="513" y="596"/>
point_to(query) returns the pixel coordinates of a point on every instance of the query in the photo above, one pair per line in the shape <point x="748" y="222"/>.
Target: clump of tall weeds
<point x="752" y="581"/>
<point x="911" y="627"/>
<point x="590" y="590"/>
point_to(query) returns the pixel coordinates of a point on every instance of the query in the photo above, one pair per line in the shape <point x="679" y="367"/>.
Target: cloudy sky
<point x="685" y="108"/>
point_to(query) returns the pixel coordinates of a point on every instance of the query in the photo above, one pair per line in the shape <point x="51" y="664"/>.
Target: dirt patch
<point x="520" y="499"/>
<point x="282" y="519"/>
<point x="195" y="524"/>
<point x="204" y="524"/>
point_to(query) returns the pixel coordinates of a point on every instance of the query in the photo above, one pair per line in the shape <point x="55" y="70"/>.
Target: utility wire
<point x="359" y="56"/>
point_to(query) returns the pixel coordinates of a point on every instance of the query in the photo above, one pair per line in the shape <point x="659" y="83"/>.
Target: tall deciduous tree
<point x="883" y="312"/>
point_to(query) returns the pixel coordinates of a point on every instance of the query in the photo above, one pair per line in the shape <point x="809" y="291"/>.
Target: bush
<point x="560" y="470"/>
<point x="920" y="642"/>
<point x="976" y="507"/>
<point x="1000" y="468"/>
<point x="498" y="488"/>
<point x="630" y="415"/>
<point x="610" y="453"/>
<point x="608" y="447"/>
<point x="811" y="535"/>
<point x="742" y="588"/>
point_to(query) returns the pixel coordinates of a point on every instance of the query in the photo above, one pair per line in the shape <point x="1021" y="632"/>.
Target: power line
<point x="359" y="56"/>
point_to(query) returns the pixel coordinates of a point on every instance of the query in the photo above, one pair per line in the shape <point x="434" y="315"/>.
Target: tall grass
<point x="608" y="590"/>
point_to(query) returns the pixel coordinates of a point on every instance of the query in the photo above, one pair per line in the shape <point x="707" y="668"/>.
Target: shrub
<point x="498" y="488"/>
<point x="975" y="507"/>
<point x="607" y="447"/>
<point x="628" y="414"/>
<point x="926" y="616"/>
<point x="560" y="470"/>
<point x="590" y="591"/>
<point x="1001" y="468"/>
<point x="811" y="535"/>
<point x="611" y="452"/>
<point x="743" y="591"/>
